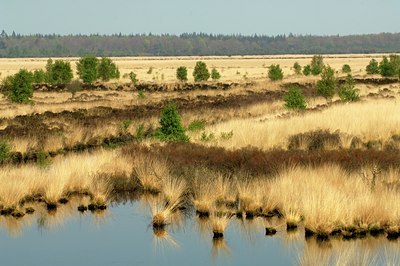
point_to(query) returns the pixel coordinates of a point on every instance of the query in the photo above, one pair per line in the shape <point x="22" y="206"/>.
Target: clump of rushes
<point x="100" y="191"/>
<point x="250" y="197"/>
<point x="203" y="196"/>
<point x="219" y="222"/>
<point x="149" y="172"/>
<point x="293" y="219"/>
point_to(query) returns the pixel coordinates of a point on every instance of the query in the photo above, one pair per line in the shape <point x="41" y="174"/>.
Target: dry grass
<point x="150" y="172"/>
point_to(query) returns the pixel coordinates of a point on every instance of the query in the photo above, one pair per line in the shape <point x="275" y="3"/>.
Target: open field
<point x="326" y="169"/>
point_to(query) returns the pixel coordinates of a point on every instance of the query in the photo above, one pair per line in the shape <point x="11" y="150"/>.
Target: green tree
<point x="307" y="70"/>
<point x="327" y="85"/>
<point x="39" y="76"/>
<point x="87" y="68"/>
<point x="59" y="72"/>
<point x="275" y="72"/>
<point x="107" y="69"/>
<point x="386" y="68"/>
<point x="294" y="99"/>
<point x="133" y="78"/>
<point x="215" y="75"/>
<point x="181" y="73"/>
<point x="347" y="92"/>
<point x="346" y="69"/>
<point x="4" y="151"/>
<point x="297" y="68"/>
<point x="171" y="128"/>
<point x="373" y="67"/>
<point x="200" y="72"/>
<point x="317" y="65"/>
<point x="18" y="88"/>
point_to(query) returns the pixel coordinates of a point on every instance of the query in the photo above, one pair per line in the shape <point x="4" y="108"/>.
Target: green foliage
<point x="317" y="65"/>
<point x="107" y="69"/>
<point x="390" y="67"/>
<point x="347" y="92"/>
<point x="39" y="76"/>
<point x="141" y="95"/>
<point x="4" y="151"/>
<point x="297" y="68"/>
<point x="294" y="99"/>
<point x="346" y="69"/>
<point x="87" y="69"/>
<point x="197" y="125"/>
<point x="275" y="72"/>
<point x="181" y="73"/>
<point x="327" y="85"/>
<point x="18" y="88"/>
<point x="215" y="75"/>
<point x="171" y="128"/>
<point x="227" y="135"/>
<point x="373" y="67"/>
<point x="125" y="124"/>
<point x="133" y="78"/>
<point x="140" y="132"/>
<point x="59" y="72"/>
<point x="200" y="72"/>
<point x="207" y="137"/>
<point x="74" y="86"/>
<point x="307" y="70"/>
<point x="43" y="160"/>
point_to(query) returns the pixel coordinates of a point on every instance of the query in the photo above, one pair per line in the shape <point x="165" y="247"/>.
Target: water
<point x="122" y="236"/>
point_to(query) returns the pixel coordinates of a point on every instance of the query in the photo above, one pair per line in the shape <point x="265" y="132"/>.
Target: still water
<point x="122" y="236"/>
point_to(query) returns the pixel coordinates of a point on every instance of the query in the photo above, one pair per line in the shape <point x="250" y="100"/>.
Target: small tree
<point x="297" y="68"/>
<point x="373" y="67"/>
<point x="346" y="69"/>
<point x="275" y="73"/>
<point x="107" y="69"/>
<point x="215" y="75"/>
<point x="18" y="87"/>
<point x="39" y="76"/>
<point x="181" y="73"/>
<point x="294" y="99"/>
<point x="59" y="72"/>
<point x="171" y="128"/>
<point x="317" y="65"/>
<point x="87" y="69"/>
<point x="307" y="70"/>
<point x="200" y="72"/>
<point x="133" y="78"/>
<point x="4" y="151"/>
<point x="327" y="85"/>
<point x="348" y="92"/>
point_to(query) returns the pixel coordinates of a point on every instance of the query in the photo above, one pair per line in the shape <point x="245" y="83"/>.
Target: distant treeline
<point x="193" y="44"/>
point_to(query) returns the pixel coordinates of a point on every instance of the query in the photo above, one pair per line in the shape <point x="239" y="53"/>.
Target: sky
<point x="316" y="17"/>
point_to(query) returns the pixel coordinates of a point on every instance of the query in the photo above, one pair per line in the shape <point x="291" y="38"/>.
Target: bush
<point x="197" y="125"/>
<point x="373" y="67"/>
<point x="87" y="69"/>
<point x="200" y="72"/>
<point x="133" y="78"/>
<point x="317" y="65"/>
<point x="294" y="99"/>
<point x="18" y="88"/>
<point x="327" y="85"/>
<point x="347" y="92"/>
<point x="346" y="69"/>
<point x="390" y="68"/>
<point x="59" y="72"/>
<point x="171" y="128"/>
<point x="4" y="151"/>
<point x="307" y="70"/>
<point x="215" y="75"/>
<point x="181" y="73"/>
<point x="275" y="73"/>
<point x="297" y="68"/>
<point x="39" y="76"/>
<point x="107" y="69"/>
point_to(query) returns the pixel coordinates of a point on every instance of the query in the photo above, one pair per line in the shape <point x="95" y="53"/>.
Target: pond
<point x="123" y="235"/>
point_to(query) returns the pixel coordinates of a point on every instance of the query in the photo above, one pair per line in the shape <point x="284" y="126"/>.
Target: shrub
<point x="317" y="65"/>
<point x="373" y="67"/>
<point x="297" y="68"/>
<point x="207" y="137"/>
<point x="200" y="72"/>
<point x="133" y="78"/>
<point x="215" y="75"/>
<point x="181" y="73"/>
<point x="87" y="69"/>
<point x="275" y="72"/>
<point x="39" y="76"/>
<point x="59" y="72"/>
<point x="4" y="151"/>
<point x="346" y="69"/>
<point x="347" y="92"/>
<point x="294" y="99"/>
<point x="390" y="67"/>
<point x="226" y="135"/>
<point x="327" y="85"/>
<point x="171" y="128"/>
<point x="196" y="125"/>
<point x="18" y="87"/>
<point x="107" y="69"/>
<point x="307" y="70"/>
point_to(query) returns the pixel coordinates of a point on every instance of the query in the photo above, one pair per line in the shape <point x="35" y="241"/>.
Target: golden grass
<point x="150" y="172"/>
<point x="219" y="222"/>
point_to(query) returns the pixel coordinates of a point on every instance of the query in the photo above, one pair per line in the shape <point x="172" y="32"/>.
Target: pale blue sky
<point x="318" y="17"/>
